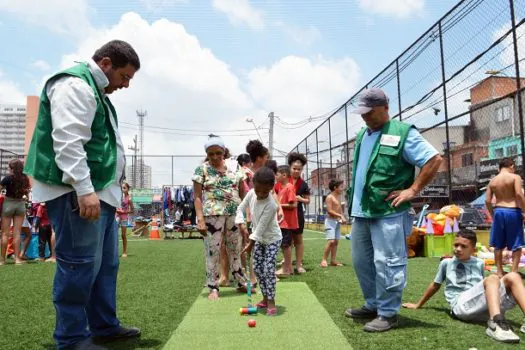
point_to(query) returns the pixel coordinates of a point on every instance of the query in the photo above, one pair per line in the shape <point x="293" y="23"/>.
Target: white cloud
<point x="396" y="8"/>
<point x="69" y="17"/>
<point x="240" y="12"/>
<point x="298" y="87"/>
<point x="304" y="36"/>
<point x="183" y="85"/>
<point x="159" y="5"/>
<point x="507" y="55"/>
<point x="9" y="91"/>
<point x="42" y="65"/>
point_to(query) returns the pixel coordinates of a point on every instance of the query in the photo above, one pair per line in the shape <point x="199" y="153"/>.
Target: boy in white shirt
<point x="266" y="235"/>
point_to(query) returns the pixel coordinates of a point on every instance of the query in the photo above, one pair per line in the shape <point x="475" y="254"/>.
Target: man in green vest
<point x="77" y="160"/>
<point x="383" y="182"/>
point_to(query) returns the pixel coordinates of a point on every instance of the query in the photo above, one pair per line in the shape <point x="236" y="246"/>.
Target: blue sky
<point x="332" y="29"/>
<point x="208" y="65"/>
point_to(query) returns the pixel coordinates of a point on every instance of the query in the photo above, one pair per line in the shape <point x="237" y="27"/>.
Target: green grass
<point x="222" y="322"/>
<point x="161" y="280"/>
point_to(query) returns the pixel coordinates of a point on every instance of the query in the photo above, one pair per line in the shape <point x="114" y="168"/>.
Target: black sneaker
<point x="362" y="312"/>
<point x="122" y="333"/>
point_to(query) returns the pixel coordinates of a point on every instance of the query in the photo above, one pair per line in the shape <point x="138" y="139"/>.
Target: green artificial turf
<point x="301" y="323"/>
<point x="161" y="280"/>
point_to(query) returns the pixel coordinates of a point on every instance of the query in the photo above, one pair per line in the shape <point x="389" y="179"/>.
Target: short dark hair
<point x="272" y="164"/>
<point x="120" y="52"/>
<point x="506" y="163"/>
<point x="334" y="183"/>
<point x="468" y="234"/>
<point x="227" y="154"/>
<point x="296" y="156"/>
<point x="264" y="176"/>
<point x="243" y="159"/>
<point x="284" y="169"/>
<point x="256" y="149"/>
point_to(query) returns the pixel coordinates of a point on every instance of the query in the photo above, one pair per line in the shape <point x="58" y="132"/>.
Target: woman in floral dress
<point x="218" y="190"/>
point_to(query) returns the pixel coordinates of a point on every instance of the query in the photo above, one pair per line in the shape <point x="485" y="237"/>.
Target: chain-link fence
<point x="460" y="85"/>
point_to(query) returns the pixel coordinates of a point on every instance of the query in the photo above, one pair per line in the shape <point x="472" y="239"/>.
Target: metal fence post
<point x="319" y="194"/>
<point x="347" y="151"/>
<point x="449" y="161"/>
<point x="307" y="177"/>
<point x="518" y="86"/>
<point x="330" y="143"/>
<point x="172" y="182"/>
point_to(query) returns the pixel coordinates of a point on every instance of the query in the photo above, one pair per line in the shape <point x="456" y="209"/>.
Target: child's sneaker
<point x="499" y="329"/>
<point x="522" y="329"/>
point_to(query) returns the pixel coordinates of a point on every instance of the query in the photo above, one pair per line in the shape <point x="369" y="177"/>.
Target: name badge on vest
<point x="390" y="140"/>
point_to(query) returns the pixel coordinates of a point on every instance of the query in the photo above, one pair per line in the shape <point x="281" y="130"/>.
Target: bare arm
<point x="520" y="198"/>
<point x="488" y="200"/>
<point x="432" y="288"/>
<point x="289" y="205"/>
<point x="304" y="199"/>
<point x="197" y="190"/>
<point x="427" y="173"/>
<point x="280" y="213"/>
<point x="242" y="189"/>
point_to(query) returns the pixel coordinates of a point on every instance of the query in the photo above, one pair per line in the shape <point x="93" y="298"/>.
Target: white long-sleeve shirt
<point x="265" y="228"/>
<point x="73" y="108"/>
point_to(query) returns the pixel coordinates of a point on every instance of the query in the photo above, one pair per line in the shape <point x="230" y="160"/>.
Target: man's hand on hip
<point x="399" y="197"/>
<point x="89" y="206"/>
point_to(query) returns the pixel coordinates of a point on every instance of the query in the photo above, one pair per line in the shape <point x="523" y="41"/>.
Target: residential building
<point x="12" y="134"/>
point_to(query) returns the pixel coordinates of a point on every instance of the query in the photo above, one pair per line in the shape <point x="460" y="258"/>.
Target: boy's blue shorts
<point x="507" y="229"/>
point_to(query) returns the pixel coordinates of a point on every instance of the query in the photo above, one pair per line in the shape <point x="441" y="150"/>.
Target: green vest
<point x="387" y="171"/>
<point x="101" y="149"/>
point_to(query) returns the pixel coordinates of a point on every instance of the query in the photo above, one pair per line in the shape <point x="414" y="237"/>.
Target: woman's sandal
<point x="271" y="311"/>
<point x="261" y="305"/>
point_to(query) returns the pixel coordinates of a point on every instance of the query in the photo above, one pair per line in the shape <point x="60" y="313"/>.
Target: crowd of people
<point x="248" y="210"/>
<point x="19" y="215"/>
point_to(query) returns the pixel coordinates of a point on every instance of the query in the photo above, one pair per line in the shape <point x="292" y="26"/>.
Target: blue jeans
<point x="379" y="256"/>
<point x="84" y="289"/>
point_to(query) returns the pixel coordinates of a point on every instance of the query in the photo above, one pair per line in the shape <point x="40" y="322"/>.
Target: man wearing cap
<point x="386" y="154"/>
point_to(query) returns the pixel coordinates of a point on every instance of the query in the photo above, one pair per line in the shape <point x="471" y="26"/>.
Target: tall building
<point x="133" y="177"/>
<point x="12" y="134"/>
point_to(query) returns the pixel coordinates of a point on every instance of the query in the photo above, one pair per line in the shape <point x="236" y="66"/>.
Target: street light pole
<point x="250" y="120"/>
<point x="270" y="142"/>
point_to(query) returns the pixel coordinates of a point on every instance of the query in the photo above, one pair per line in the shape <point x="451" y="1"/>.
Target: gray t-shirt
<point x="459" y="276"/>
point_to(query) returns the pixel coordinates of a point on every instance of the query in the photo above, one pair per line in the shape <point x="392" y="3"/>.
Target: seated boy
<point x="471" y="296"/>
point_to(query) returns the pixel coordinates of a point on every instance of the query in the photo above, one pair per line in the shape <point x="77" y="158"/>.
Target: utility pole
<point x="134" y="162"/>
<point x="141" y="115"/>
<point x="270" y="143"/>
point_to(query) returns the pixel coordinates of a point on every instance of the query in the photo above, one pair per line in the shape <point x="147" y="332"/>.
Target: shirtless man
<point x="333" y="221"/>
<point x="507" y="225"/>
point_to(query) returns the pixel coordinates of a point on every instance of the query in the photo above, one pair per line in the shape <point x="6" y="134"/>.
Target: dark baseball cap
<point x="369" y="99"/>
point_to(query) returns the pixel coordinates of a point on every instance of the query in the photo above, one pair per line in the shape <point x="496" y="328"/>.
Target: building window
<point x="502" y="113"/>
<point x="467" y="159"/>
<point x="512" y="150"/>
<point x="498" y="153"/>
